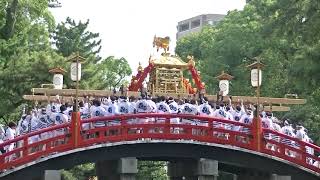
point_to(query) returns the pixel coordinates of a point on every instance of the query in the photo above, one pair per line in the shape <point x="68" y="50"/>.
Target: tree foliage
<point x="71" y="37"/>
<point x="284" y="34"/>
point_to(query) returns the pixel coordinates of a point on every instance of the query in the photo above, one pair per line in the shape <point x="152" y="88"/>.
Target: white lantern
<point x="74" y="68"/>
<point x="58" y="81"/>
<point x="256" y="77"/>
<point x="224" y="87"/>
<point x="224" y="79"/>
<point x="57" y="77"/>
<point x="256" y="72"/>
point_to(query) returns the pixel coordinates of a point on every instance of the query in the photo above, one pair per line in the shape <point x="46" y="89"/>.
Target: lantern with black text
<point x="256" y="72"/>
<point x="57" y="77"/>
<point x="224" y="79"/>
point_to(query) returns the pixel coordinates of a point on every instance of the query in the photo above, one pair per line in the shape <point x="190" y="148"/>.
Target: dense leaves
<point x="284" y="33"/>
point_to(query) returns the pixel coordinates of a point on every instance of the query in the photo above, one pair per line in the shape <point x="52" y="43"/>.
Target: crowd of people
<point x="57" y="112"/>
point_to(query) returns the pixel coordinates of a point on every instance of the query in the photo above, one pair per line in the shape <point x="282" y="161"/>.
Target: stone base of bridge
<point x="255" y="176"/>
<point x="202" y="169"/>
<point x="122" y="169"/>
<point x="50" y="175"/>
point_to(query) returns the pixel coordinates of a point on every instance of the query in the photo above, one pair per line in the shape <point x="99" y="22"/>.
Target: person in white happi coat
<point x="125" y="107"/>
<point x="60" y="118"/>
<point x="2" y="136"/>
<point x="144" y="106"/>
<point x="247" y="119"/>
<point x="204" y="110"/>
<point x="188" y="108"/>
<point x="97" y="111"/>
<point x="219" y="113"/>
<point x="174" y="109"/>
<point x="43" y="122"/>
<point x="10" y="135"/>
<point x="288" y="130"/>
<point x="162" y="107"/>
<point x="84" y="114"/>
<point x="113" y="110"/>
<point x="32" y="126"/>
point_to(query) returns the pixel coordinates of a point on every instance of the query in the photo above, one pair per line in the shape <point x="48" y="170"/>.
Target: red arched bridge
<point x="153" y="136"/>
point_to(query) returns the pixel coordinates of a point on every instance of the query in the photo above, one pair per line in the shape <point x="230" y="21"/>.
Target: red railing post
<point x="123" y="129"/>
<point x="257" y="133"/>
<point x="75" y="129"/>
<point x="25" y="147"/>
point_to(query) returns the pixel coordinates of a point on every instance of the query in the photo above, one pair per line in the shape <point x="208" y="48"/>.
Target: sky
<point x="127" y="27"/>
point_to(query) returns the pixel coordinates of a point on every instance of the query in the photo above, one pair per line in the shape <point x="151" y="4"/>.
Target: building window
<point x="195" y="23"/>
<point x="210" y="22"/>
<point x="184" y="27"/>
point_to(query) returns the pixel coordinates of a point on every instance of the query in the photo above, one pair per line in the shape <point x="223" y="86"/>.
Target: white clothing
<point x="10" y="134"/>
<point x="112" y="110"/>
<point x="174" y="109"/>
<point x="98" y="111"/>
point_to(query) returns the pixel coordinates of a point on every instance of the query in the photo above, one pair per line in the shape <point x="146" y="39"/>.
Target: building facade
<point x="195" y="24"/>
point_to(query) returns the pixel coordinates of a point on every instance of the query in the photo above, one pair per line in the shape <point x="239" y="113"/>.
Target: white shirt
<point x="301" y="135"/>
<point x="174" y="107"/>
<point x="124" y="107"/>
<point x="98" y="111"/>
<point x="189" y="109"/>
<point x="153" y="105"/>
<point x="112" y="110"/>
<point x="267" y="123"/>
<point x="43" y="121"/>
<point x="220" y="113"/>
<point x="60" y="118"/>
<point x="205" y="109"/>
<point x="287" y="130"/>
<point x="247" y="119"/>
<point x="163" y="107"/>
<point x="143" y="106"/>
<point x="10" y="134"/>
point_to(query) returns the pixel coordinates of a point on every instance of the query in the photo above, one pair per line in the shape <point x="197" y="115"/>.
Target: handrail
<point x="125" y="131"/>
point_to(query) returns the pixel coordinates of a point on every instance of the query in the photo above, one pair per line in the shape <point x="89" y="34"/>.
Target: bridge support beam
<point x="202" y="169"/>
<point x="122" y="169"/>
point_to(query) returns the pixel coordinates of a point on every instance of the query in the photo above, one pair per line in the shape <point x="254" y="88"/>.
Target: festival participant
<point x="162" y="107"/>
<point x="220" y="114"/>
<point x="84" y="114"/>
<point x="174" y="109"/>
<point x="144" y="106"/>
<point x="266" y="120"/>
<point x="105" y="102"/>
<point x="189" y="108"/>
<point x="97" y="111"/>
<point x="2" y="136"/>
<point x="204" y="110"/>
<point x="60" y="118"/>
<point x="32" y="126"/>
<point x="288" y="130"/>
<point x="43" y="122"/>
<point x="246" y="119"/>
<point x="10" y="135"/>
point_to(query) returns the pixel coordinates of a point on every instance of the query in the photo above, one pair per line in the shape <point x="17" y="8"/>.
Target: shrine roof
<point x="167" y="60"/>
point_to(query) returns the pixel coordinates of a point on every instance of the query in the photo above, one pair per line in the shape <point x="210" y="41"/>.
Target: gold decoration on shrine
<point x="167" y="74"/>
<point x="160" y="42"/>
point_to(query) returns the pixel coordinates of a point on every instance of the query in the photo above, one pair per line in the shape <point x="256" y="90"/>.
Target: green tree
<point x="71" y="37"/>
<point x="283" y="33"/>
<point x="25" y="51"/>
<point x="152" y="170"/>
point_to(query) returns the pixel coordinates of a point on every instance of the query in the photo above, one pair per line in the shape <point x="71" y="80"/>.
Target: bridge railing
<point x="132" y="127"/>
<point x="159" y="126"/>
<point x="34" y="145"/>
<point x="291" y="149"/>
